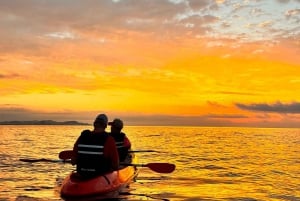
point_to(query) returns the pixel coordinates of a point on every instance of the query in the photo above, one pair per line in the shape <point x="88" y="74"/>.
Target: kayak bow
<point x="76" y="186"/>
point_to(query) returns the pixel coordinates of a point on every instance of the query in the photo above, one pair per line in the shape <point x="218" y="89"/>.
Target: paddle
<point x="68" y="154"/>
<point x="43" y="160"/>
<point x="156" y="167"/>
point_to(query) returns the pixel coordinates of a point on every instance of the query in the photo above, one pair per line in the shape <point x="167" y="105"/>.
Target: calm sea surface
<point x="231" y="164"/>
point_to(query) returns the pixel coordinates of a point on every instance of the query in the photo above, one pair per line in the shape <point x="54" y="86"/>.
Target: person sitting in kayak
<point x="95" y="152"/>
<point x="122" y="141"/>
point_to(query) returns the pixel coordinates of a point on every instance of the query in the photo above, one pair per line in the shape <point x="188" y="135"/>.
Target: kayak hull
<point x="108" y="184"/>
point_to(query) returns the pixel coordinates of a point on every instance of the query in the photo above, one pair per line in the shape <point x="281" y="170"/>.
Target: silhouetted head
<point x="101" y="121"/>
<point x="116" y="124"/>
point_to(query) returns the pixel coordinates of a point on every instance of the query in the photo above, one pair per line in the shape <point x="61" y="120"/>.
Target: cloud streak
<point x="20" y="113"/>
<point x="278" y="107"/>
<point x="8" y="76"/>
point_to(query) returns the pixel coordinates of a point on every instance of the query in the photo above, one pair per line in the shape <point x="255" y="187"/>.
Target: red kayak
<point x="108" y="184"/>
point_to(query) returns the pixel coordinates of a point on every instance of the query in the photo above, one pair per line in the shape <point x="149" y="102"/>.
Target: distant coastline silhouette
<point x="42" y="122"/>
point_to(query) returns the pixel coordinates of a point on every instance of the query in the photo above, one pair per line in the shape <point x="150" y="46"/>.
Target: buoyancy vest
<point x="90" y="155"/>
<point x="119" y="139"/>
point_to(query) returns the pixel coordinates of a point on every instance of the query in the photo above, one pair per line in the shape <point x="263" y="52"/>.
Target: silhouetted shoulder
<point x="86" y="132"/>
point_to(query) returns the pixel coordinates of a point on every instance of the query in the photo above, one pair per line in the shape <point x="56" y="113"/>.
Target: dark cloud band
<point x="277" y="107"/>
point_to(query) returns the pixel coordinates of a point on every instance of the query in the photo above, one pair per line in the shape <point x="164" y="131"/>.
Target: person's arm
<point x="75" y="151"/>
<point x="127" y="143"/>
<point x="111" y="152"/>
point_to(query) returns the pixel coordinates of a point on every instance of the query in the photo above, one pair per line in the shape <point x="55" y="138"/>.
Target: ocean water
<point x="212" y="163"/>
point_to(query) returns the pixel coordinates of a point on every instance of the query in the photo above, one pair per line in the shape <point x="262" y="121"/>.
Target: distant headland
<point x="42" y="122"/>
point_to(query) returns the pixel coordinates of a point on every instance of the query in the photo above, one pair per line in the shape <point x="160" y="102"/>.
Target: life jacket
<point x="90" y="154"/>
<point x="119" y="139"/>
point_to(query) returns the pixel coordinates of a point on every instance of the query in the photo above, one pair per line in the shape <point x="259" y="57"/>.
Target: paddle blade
<point x="67" y="154"/>
<point x="161" y="167"/>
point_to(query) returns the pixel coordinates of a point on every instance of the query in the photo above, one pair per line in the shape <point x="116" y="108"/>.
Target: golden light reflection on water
<point x="211" y="163"/>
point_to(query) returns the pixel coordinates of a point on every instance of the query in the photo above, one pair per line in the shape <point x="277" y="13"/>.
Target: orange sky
<point x="176" y="62"/>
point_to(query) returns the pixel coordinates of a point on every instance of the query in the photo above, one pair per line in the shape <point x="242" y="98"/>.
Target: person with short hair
<point x="122" y="141"/>
<point x="95" y="151"/>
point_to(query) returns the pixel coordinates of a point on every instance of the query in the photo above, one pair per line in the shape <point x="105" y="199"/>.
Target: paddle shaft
<point x="156" y="167"/>
<point x="68" y="154"/>
<point x="44" y="160"/>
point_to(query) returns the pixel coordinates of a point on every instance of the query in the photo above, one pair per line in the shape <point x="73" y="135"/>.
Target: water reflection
<point x="238" y="164"/>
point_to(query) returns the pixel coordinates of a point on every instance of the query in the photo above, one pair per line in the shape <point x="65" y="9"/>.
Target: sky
<point x="151" y="62"/>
